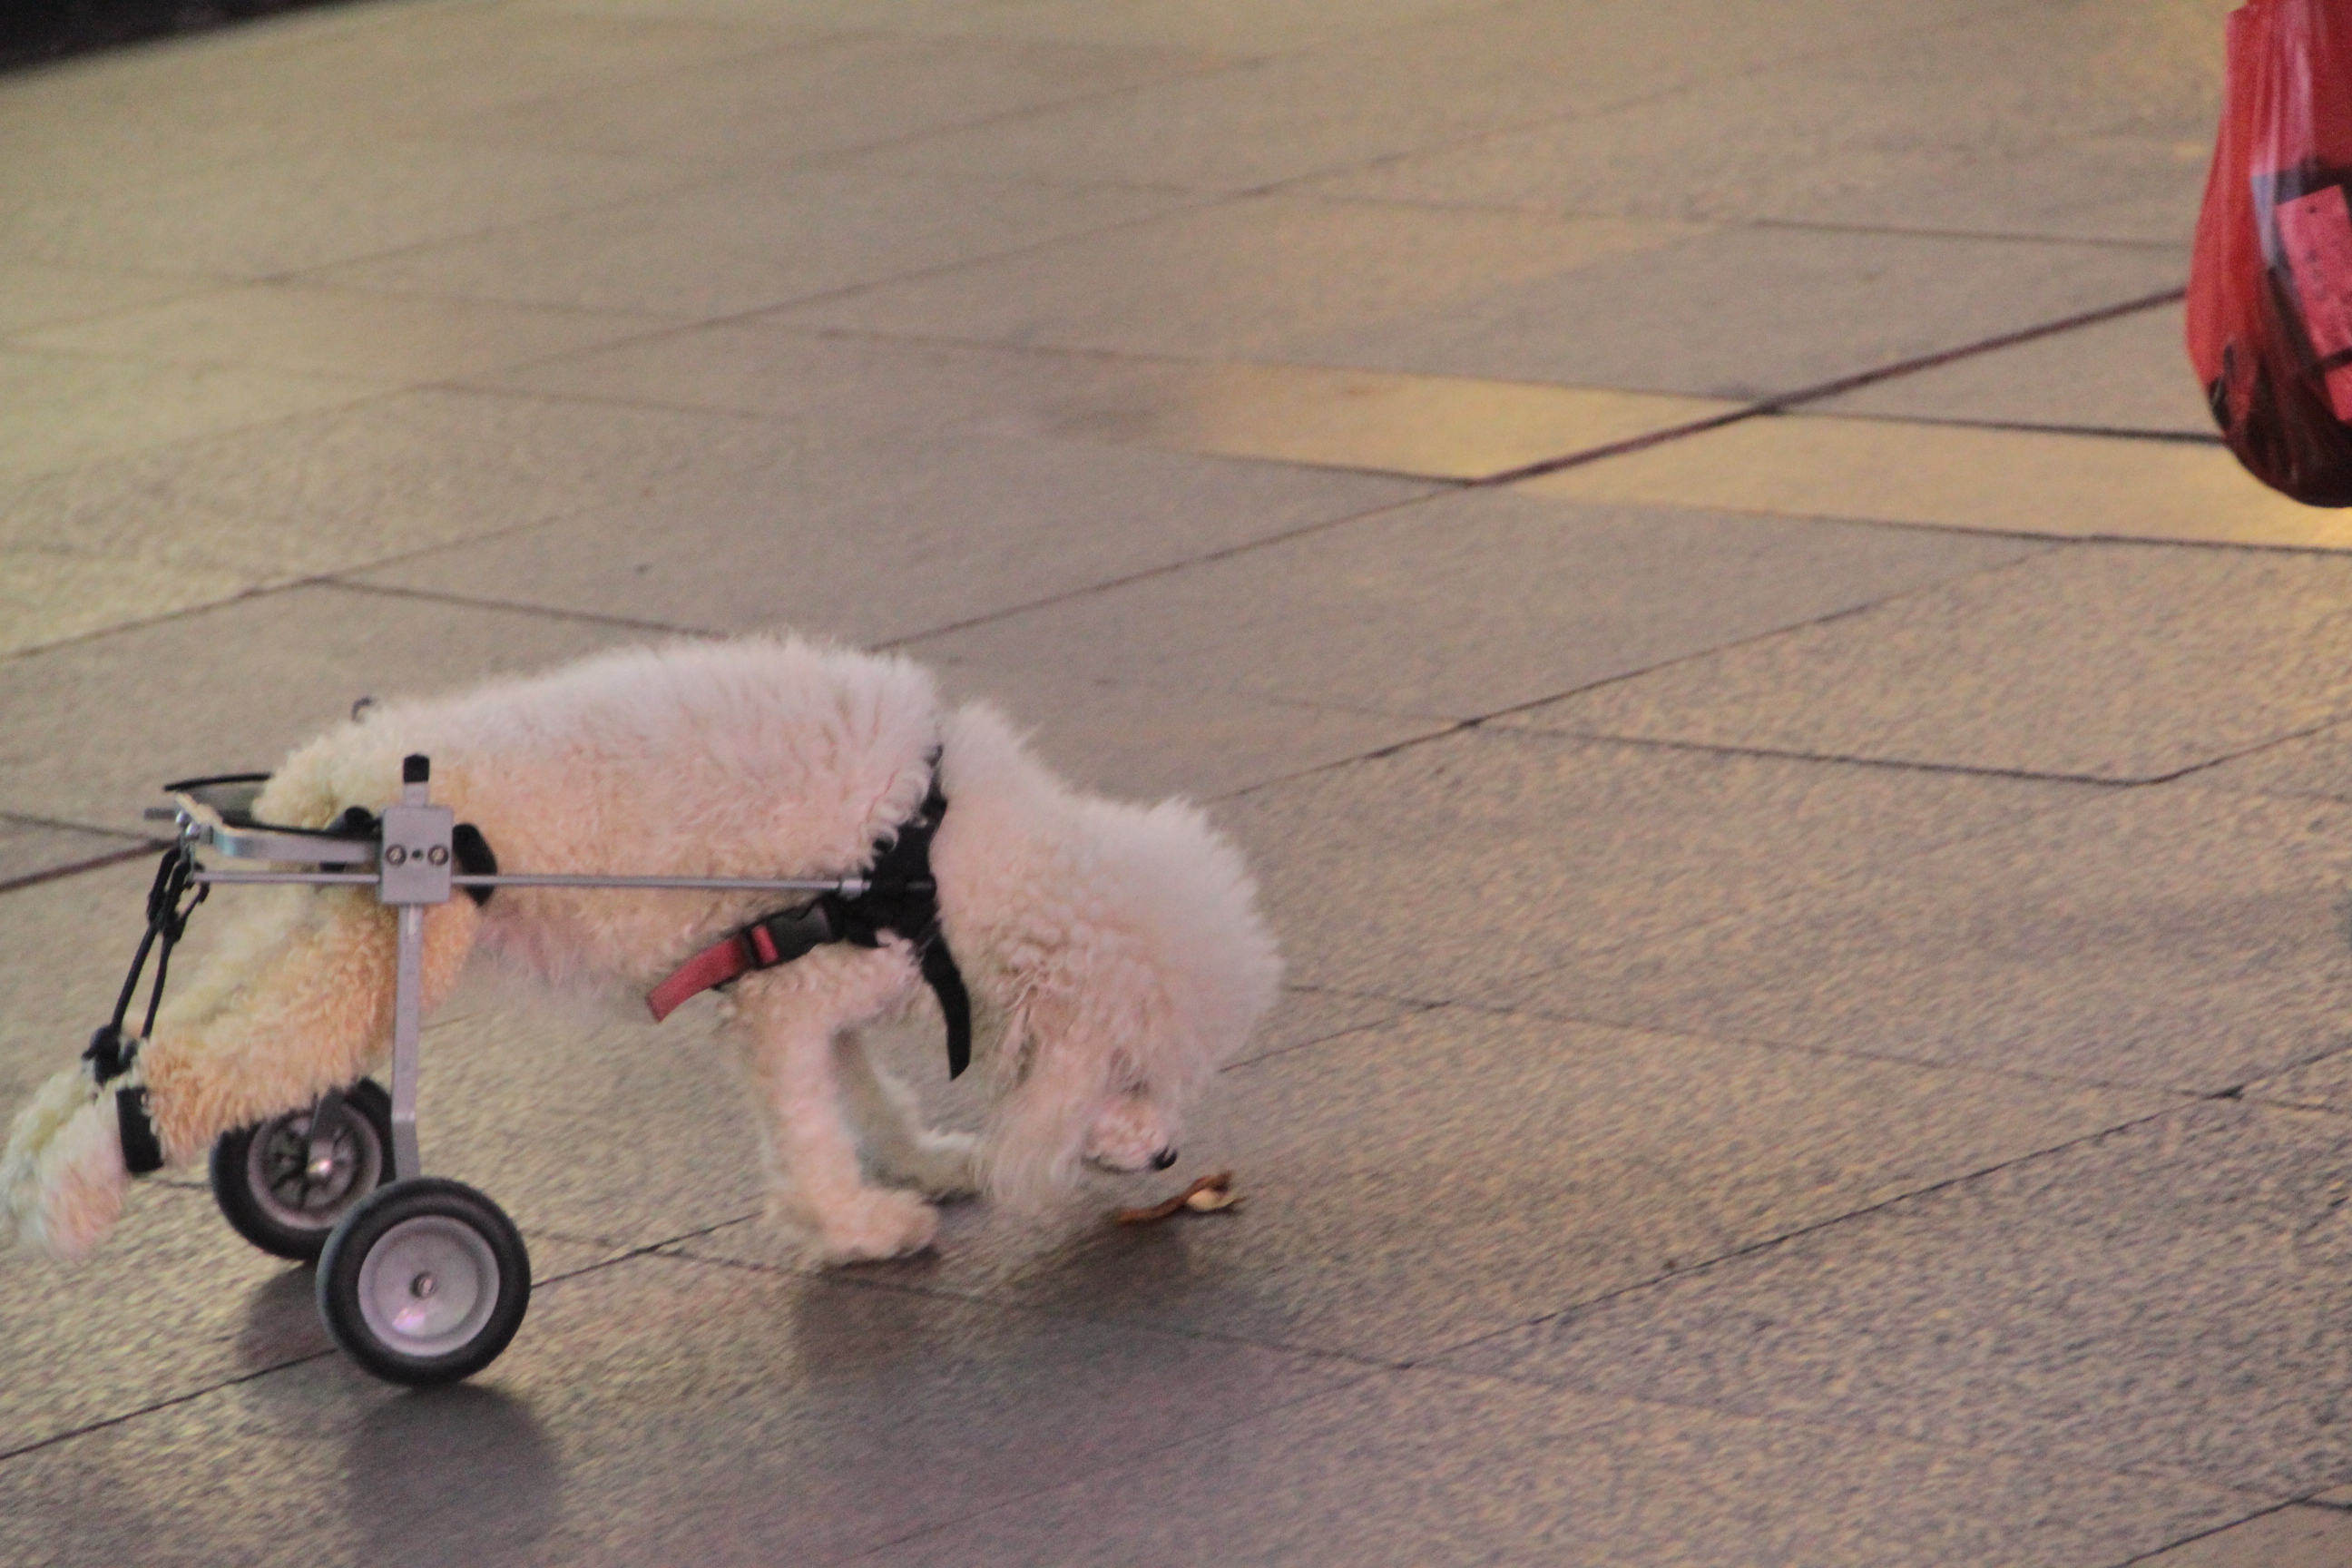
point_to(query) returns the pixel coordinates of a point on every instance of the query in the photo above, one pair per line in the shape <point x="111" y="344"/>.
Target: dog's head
<point x="1121" y="954"/>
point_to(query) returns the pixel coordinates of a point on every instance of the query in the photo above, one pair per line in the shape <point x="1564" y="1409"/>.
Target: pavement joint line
<point x="1902" y="764"/>
<point x="1447" y="731"/>
<point x="1642" y="99"/>
<point x="96" y="863"/>
<point x="30" y="819"/>
<point x="2103" y="242"/>
<point x="1782" y="403"/>
<point x="161" y="1405"/>
<point x="2217" y="1530"/>
<point x="1766" y="1244"/>
<point x="1629" y="1026"/>
<point x="1411" y="1010"/>
<point x="463" y="601"/>
<point x="278" y="1366"/>
<point x="2032" y="428"/>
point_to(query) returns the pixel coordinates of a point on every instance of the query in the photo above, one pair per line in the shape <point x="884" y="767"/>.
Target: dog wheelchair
<point x="421" y="1279"/>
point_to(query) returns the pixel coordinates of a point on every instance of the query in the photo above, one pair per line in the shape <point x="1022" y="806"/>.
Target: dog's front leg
<point x="794" y="1015"/>
<point x="902" y="1149"/>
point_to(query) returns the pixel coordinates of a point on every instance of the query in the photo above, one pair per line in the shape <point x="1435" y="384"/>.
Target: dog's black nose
<point x="1165" y="1158"/>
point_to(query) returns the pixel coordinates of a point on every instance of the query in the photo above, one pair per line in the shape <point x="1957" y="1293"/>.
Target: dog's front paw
<point x="875" y="1224"/>
<point x="64" y="1176"/>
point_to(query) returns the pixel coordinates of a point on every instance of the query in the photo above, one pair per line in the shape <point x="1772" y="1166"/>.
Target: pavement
<point x="1803" y="794"/>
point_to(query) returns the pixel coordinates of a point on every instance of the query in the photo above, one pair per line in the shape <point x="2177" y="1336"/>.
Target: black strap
<point x="169" y="902"/>
<point x="901" y="899"/>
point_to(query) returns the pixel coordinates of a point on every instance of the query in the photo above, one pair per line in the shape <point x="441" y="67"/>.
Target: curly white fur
<point x="1114" y="953"/>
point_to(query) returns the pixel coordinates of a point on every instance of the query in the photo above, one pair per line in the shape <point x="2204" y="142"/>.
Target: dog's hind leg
<point x="793" y="1015"/>
<point x="296" y="1000"/>
<point x="901" y="1149"/>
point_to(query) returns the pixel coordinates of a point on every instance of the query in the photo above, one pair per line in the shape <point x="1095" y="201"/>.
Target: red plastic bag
<point x="2270" y="285"/>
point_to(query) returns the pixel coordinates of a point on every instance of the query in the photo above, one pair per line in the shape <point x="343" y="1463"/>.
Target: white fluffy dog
<point x="1114" y="953"/>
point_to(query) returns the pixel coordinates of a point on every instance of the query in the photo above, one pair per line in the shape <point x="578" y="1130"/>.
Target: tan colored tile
<point x="1942" y="476"/>
<point x="33" y="295"/>
<point x="326" y="331"/>
<point x="2129" y="373"/>
<point x="2291" y="1538"/>
<point x="748" y="244"/>
<point x="64" y="409"/>
<point x="1242" y="280"/>
<point x="1238" y="25"/>
<point x="1411" y="1468"/>
<point x="320" y="200"/>
<point x="1429" y="425"/>
<point x="49" y="596"/>
<point x="849" y="92"/>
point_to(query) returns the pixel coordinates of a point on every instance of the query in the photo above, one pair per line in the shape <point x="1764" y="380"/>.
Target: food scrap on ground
<point x="1209" y="1194"/>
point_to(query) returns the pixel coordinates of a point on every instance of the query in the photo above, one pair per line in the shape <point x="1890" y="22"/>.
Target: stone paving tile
<point x="2318" y="764"/>
<point x="1514" y="296"/>
<point x="2130" y="374"/>
<point x="749" y="243"/>
<point x="1475" y="602"/>
<point x="64" y="946"/>
<point x="1439" y="426"/>
<point x="1445" y="870"/>
<point x="1244" y="25"/>
<point x="324" y="331"/>
<point x="884" y="384"/>
<point x="2182" y="937"/>
<point x="1413" y="1184"/>
<point x="1400" y="90"/>
<point x="1259" y="279"/>
<point x="173" y="1304"/>
<point x="1785" y="309"/>
<point x="2165" y="1299"/>
<point x="69" y="408"/>
<point x="2115" y="662"/>
<point x="854" y="534"/>
<point x="1420" y="1469"/>
<point x="2052" y="484"/>
<point x="335" y="86"/>
<point x="96" y="726"/>
<point x="319" y="205"/>
<point x="848" y="92"/>
<point x="1149" y="739"/>
<point x="620" y="1133"/>
<point x="1861" y="135"/>
<point x="34" y="295"/>
<point x="29" y="848"/>
<point x="1302" y="1017"/>
<point x="2290" y="1538"/>
<point x="50" y="596"/>
<point x="656" y="1410"/>
<point x="354" y="486"/>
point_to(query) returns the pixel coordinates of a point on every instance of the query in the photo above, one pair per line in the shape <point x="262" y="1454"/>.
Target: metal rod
<point x="350" y="878"/>
<point x="849" y="887"/>
<point x="408" y="1032"/>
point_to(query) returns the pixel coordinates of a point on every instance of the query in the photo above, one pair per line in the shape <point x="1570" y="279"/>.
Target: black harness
<point x="901" y="899"/>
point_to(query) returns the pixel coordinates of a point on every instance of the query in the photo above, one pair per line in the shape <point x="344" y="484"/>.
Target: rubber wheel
<point x="266" y="1189"/>
<point x="424" y="1283"/>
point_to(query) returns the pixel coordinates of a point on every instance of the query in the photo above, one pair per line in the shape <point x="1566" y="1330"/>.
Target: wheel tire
<point x="424" y="1283"/>
<point x="262" y="1182"/>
